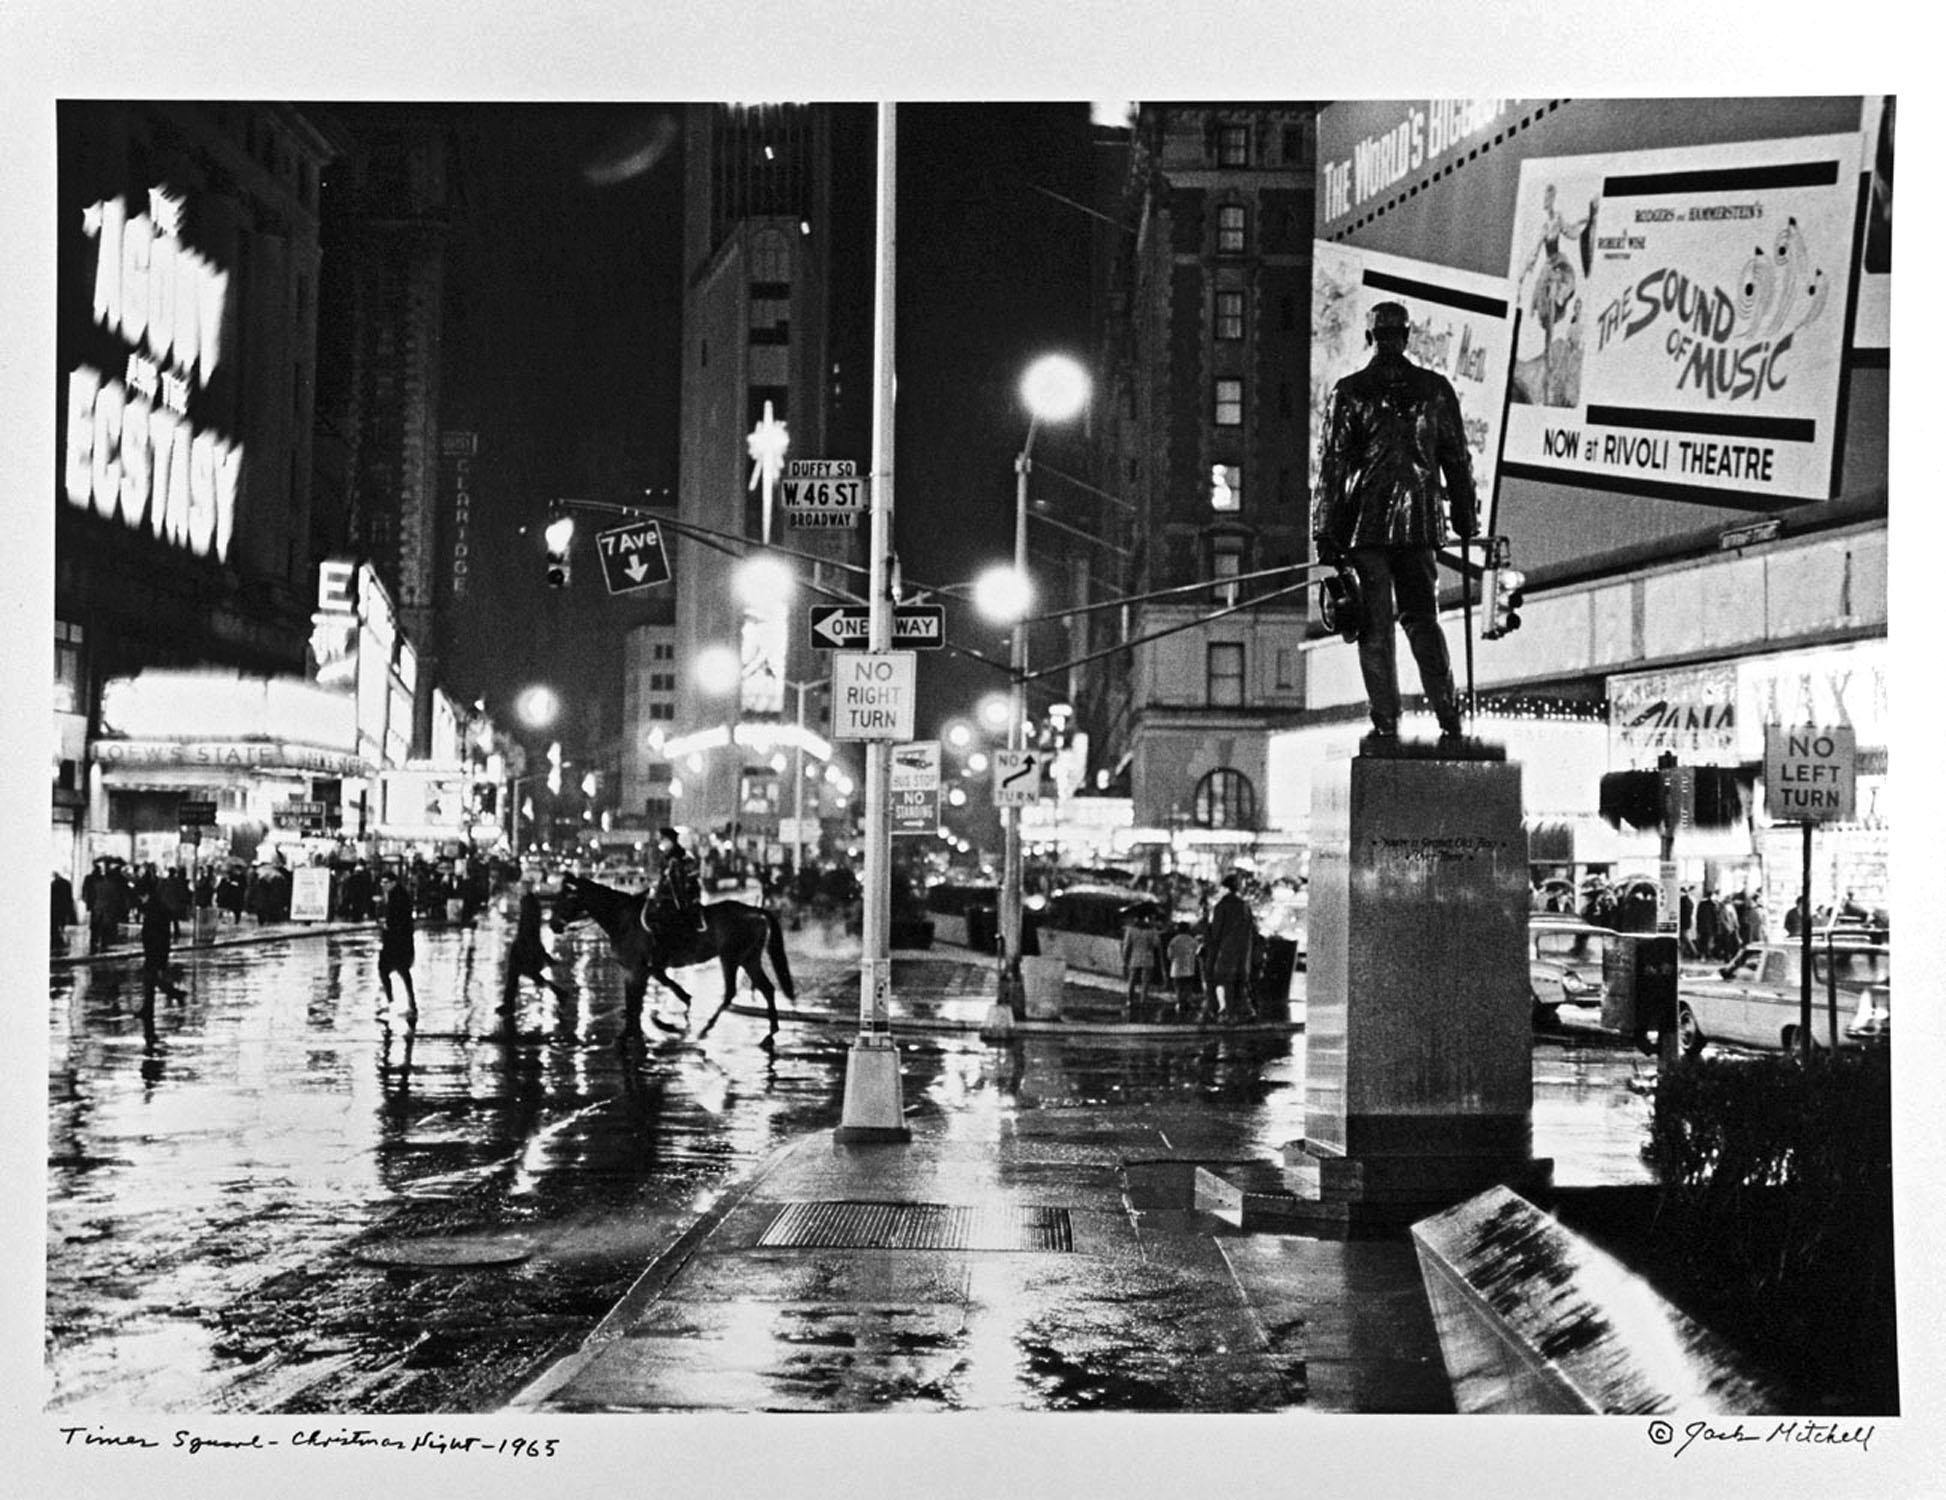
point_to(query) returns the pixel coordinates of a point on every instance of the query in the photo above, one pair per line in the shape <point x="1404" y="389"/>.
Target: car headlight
<point x="1573" y="984"/>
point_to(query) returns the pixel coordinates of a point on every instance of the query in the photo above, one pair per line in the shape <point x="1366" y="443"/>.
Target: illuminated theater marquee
<point x="131" y="450"/>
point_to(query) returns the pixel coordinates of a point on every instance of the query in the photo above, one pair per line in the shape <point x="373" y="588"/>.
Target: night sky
<point x="563" y="347"/>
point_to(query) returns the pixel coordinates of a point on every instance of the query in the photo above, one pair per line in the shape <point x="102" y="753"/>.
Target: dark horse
<point x="733" y="933"/>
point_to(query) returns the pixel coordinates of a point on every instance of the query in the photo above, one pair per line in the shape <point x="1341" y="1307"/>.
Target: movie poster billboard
<point x="1460" y="327"/>
<point x="1680" y="319"/>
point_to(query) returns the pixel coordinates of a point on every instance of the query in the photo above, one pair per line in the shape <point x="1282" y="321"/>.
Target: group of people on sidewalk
<point x="1208" y="967"/>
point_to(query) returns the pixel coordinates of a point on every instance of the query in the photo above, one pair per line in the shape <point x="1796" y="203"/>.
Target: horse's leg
<point x="678" y="991"/>
<point x="765" y="988"/>
<point x="632" y="989"/>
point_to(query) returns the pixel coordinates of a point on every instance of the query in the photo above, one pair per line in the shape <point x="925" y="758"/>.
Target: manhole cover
<point x="918" y="1226"/>
<point x="436" y="1251"/>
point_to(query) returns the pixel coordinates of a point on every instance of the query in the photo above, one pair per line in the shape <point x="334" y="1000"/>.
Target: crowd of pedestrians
<point x="1210" y="971"/>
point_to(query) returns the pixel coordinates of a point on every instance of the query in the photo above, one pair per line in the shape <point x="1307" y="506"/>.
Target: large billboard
<point x="1681" y="318"/>
<point x="1459" y="327"/>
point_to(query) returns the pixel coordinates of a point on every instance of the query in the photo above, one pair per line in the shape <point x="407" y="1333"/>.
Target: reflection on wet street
<point x="287" y="1195"/>
<point x="231" y="1191"/>
<point x="211" y="1181"/>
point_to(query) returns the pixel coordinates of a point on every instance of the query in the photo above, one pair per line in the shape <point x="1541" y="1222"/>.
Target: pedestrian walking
<point x="1232" y="941"/>
<point x="1141" y="959"/>
<point x="395" y="949"/>
<point x="63" y="912"/>
<point x="1184" y="952"/>
<point x="1729" y="931"/>
<point x="229" y="894"/>
<point x="1686" y="923"/>
<point x="176" y="896"/>
<point x="1394" y="460"/>
<point x="528" y="958"/>
<point x="107" y="906"/>
<point x="1708" y="937"/>
<point x="157" y="926"/>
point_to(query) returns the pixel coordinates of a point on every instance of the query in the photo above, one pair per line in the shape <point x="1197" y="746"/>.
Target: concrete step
<point x="1256" y="1196"/>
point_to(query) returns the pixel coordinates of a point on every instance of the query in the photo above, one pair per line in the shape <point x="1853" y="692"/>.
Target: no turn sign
<point x="1811" y="774"/>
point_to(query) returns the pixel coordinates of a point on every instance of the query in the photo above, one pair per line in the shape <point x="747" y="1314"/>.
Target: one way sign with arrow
<point x="915" y="627"/>
<point x="632" y="556"/>
<point x="1016" y="777"/>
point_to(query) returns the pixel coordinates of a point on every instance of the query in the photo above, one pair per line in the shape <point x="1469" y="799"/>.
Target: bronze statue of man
<point x="1394" y="460"/>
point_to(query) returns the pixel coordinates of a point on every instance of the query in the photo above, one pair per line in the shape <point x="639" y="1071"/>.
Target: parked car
<point x="1756" y="999"/>
<point x="1564" y="958"/>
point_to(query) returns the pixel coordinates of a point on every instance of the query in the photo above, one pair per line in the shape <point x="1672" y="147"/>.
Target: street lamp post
<point x="1054" y="389"/>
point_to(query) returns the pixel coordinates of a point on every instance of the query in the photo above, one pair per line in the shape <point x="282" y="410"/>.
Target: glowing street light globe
<point x="537" y="706"/>
<point x="718" y="670"/>
<point x="1003" y="595"/>
<point x="1054" y="388"/>
<point x="763" y="580"/>
<point x="996" y="711"/>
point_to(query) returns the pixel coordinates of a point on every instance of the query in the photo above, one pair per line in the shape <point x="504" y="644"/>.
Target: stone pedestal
<point x="1418" y="1038"/>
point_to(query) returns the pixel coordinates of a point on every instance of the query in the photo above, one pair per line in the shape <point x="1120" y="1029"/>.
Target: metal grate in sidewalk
<point x="917" y="1226"/>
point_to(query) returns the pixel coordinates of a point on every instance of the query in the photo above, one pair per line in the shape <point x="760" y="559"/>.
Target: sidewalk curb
<point x="654" y="1279"/>
<point x="236" y="940"/>
<point x="922" y="1025"/>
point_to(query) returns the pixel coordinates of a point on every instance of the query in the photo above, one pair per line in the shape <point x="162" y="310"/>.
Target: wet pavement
<point x="292" y="1198"/>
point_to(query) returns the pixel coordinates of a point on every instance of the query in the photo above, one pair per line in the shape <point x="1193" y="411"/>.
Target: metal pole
<point x="874" y="1109"/>
<point x="1466" y="614"/>
<point x="1011" y="895"/>
<point x="797" y="795"/>
<point x="1804" y="959"/>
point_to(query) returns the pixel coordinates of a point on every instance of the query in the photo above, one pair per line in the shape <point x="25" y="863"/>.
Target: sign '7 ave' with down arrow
<point x="632" y="556"/>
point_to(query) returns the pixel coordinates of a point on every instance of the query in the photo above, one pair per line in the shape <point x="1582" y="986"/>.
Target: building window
<point x="1226" y="566"/>
<point x="1229" y="315"/>
<point x="1233" y="146"/>
<point x="69" y="694"/>
<point x="1229" y="403"/>
<point x="1226" y="674"/>
<point x="1230" y="226"/>
<point x="1226" y="487"/>
<point x="664" y="651"/>
<point x="1225" y="799"/>
<point x="1285" y="678"/>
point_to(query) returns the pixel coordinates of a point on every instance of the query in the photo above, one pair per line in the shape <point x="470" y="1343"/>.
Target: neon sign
<point x="130" y="449"/>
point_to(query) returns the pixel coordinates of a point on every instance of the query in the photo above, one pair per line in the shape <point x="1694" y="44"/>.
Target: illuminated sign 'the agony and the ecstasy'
<point x="130" y="447"/>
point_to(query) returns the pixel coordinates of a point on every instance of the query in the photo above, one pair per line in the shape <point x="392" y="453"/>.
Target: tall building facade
<point x="773" y="369"/>
<point x="187" y="306"/>
<point x="1200" y="443"/>
<point x="389" y="213"/>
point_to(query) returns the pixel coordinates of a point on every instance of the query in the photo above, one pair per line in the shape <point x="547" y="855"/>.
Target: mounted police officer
<point x="674" y="911"/>
<point x="1395" y="440"/>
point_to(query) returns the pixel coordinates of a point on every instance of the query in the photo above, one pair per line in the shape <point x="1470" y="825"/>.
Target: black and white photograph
<point x="741" y="751"/>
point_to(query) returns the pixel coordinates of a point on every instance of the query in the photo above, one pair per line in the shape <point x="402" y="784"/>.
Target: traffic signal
<point x="560" y="537"/>
<point x="1502" y="597"/>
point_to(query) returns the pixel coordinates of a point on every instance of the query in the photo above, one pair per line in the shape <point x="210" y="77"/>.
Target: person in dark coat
<point x="230" y="893"/>
<point x="64" y="914"/>
<point x="1708" y="930"/>
<point x="157" y="925"/>
<point x="528" y="958"/>
<point x="1394" y="460"/>
<point x="107" y="908"/>
<point x="1686" y="923"/>
<point x="176" y="896"/>
<point x="1227" y="958"/>
<point x="395" y="946"/>
<point x="675" y="907"/>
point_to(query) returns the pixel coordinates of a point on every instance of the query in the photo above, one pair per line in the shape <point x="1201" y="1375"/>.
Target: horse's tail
<point x="777" y="959"/>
